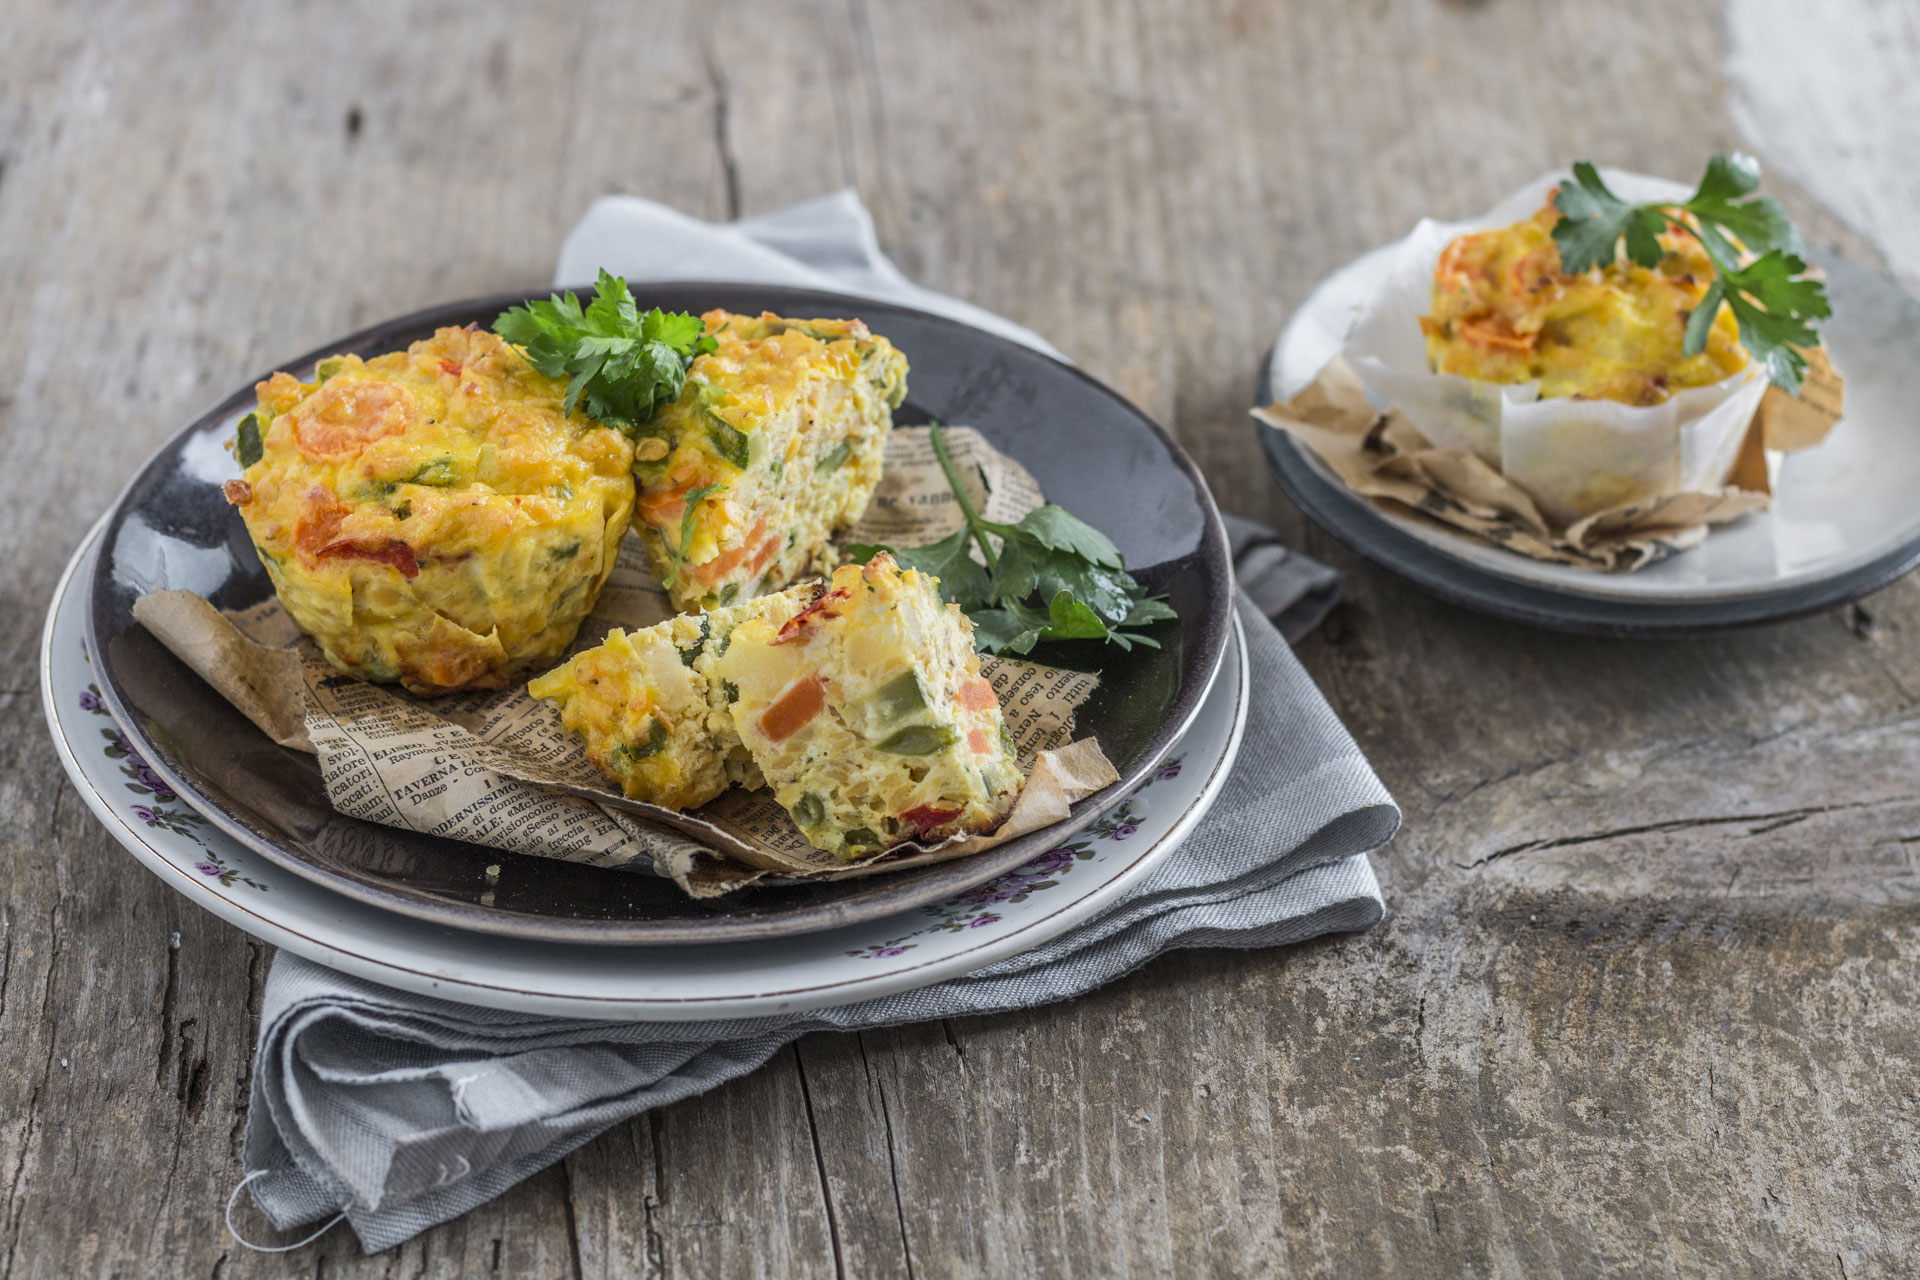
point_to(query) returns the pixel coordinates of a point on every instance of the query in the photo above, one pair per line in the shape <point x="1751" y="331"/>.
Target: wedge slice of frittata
<point x="868" y="716"/>
<point x="774" y="445"/>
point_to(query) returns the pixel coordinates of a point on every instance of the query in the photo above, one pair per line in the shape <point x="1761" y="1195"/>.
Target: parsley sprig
<point x="624" y="365"/>
<point x="1775" y="305"/>
<point x="1052" y="576"/>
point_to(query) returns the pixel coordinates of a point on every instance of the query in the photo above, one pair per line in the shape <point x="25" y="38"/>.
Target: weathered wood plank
<point x="1646" y="1003"/>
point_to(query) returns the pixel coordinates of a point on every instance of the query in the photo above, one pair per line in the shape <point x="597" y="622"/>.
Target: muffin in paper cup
<point x="1575" y="457"/>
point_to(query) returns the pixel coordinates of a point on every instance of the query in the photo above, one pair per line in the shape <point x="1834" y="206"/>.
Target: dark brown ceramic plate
<point x="1092" y="452"/>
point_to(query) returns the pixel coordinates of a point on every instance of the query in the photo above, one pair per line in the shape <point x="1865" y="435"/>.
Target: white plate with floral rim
<point x="1013" y="913"/>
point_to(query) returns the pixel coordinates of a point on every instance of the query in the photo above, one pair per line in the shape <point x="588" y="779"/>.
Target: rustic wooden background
<point x="1646" y="1001"/>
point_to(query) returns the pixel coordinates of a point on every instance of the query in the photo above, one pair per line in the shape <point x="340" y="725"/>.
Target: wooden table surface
<point x="1648" y="997"/>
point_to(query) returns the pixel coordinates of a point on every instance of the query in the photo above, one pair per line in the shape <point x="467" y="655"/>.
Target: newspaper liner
<point x="1382" y="456"/>
<point x="498" y="769"/>
<point x="1574" y="459"/>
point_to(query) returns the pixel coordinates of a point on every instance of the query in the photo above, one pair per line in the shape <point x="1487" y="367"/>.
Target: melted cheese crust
<point x="791" y="417"/>
<point x="433" y="516"/>
<point x="1503" y="311"/>
<point x="869" y="717"/>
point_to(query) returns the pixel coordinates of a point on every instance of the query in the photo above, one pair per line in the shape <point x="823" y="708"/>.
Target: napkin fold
<point x="401" y="1111"/>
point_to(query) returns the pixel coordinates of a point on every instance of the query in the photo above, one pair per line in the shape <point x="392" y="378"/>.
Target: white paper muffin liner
<point x="1575" y="457"/>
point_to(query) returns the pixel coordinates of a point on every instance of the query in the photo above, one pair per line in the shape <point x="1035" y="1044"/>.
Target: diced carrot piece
<point x="768" y="550"/>
<point x="977" y="740"/>
<point x="794" y="709"/>
<point x="977" y="695"/>
<point x="727" y="561"/>
<point x="663" y="508"/>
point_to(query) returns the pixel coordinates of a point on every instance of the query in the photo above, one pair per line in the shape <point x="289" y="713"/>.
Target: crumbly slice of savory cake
<point x="867" y="714"/>
<point x="774" y="445"/>
<point x="642" y="703"/>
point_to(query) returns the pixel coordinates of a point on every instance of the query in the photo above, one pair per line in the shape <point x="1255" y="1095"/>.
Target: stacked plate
<point x="242" y="826"/>
<point x="1844" y="521"/>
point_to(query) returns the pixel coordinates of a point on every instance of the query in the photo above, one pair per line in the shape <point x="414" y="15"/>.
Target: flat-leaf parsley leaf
<point x="1047" y="576"/>
<point x="1773" y="301"/>
<point x="623" y="365"/>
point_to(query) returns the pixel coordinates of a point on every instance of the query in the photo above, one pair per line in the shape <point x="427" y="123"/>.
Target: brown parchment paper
<point x="498" y="769"/>
<point x="1383" y="457"/>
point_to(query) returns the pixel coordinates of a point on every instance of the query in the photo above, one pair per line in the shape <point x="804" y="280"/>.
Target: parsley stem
<point x="975" y="525"/>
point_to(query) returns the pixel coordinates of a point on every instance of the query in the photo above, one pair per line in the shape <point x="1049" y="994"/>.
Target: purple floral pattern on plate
<point x="161" y="807"/>
<point x="973" y="909"/>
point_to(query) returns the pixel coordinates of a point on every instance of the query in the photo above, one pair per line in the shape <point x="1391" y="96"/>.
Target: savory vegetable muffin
<point x="433" y="516"/>
<point x="774" y="444"/>
<point x="868" y="715"/>
<point x="643" y="704"/>
<point x="1505" y="312"/>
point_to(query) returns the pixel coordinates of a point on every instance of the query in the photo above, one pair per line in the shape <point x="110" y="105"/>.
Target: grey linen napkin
<point x="402" y="1111"/>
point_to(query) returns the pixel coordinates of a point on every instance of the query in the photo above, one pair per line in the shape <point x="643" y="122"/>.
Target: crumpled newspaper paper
<point x="1384" y="457"/>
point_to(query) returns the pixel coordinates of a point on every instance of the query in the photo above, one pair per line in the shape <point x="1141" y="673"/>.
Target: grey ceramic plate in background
<point x="1843" y="522"/>
<point x="1092" y="452"/>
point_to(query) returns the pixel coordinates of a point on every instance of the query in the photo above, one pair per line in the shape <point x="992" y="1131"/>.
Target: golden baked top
<point x="433" y="515"/>
<point x="1504" y="311"/>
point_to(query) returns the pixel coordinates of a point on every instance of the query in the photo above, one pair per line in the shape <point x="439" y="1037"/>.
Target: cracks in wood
<point x="1788" y="821"/>
<point x="893" y="1159"/>
<point x="573" y="1218"/>
<point x="1770" y="822"/>
<point x="190" y="1084"/>
<point x="14" y="1203"/>
<point x="723" y="143"/>
<point x="1508" y="775"/>
<point x="243" y="1082"/>
<point x="168" y="995"/>
<point x="959" y="1050"/>
<point x="6" y="958"/>
<point x="655" y="1243"/>
<point x="820" y="1166"/>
